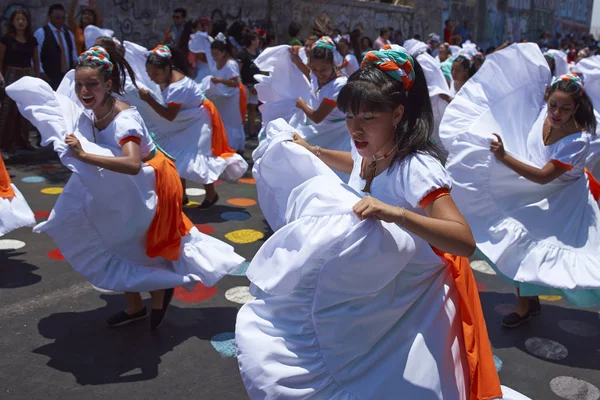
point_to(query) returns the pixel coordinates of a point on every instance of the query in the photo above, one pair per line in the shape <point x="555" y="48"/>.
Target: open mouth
<point x="360" y="144"/>
<point x="87" y="101"/>
<point x="554" y="120"/>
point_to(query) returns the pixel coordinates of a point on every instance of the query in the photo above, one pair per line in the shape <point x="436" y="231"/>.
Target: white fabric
<point x="227" y="101"/>
<point x="590" y="69"/>
<point x="101" y="218"/>
<point x="314" y="284"/>
<point x="546" y="235"/>
<point x="561" y="65"/>
<point x="454" y="50"/>
<point x="15" y="213"/>
<point x="351" y="65"/>
<point x="303" y="56"/>
<point x="92" y="32"/>
<point x="200" y="43"/>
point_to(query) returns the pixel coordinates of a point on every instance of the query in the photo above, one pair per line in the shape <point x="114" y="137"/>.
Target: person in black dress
<point x="246" y="57"/>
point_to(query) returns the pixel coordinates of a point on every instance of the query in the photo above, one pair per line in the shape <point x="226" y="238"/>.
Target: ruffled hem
<point x="509" y="215"/>
<point x="15" y="213"/>
<point x="205" y="169"/>
<point x="236" y="137"/>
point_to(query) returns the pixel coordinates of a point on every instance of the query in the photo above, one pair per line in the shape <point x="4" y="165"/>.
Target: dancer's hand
<point x="497" y="147"/>
<point x="294" y="52"/>
<point x="75" y="145"/>
<point x="300" y="103"/>
<point x="144" y="95"/>
<point x="371" y="207"/>
<point x="298" y="140"/>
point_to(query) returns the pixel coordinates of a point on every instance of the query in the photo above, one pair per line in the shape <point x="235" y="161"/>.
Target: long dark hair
<point x="178" y="60"/>
<point x="109" y="43"/>
<point x="584" y="116"/>
<point x="371" y="90"/>
<point x="467" y="64"/>
<point x="321" y="53"/>
<point x="355" y="41"/>
<point x="120" y="68"/>
<point x="91" y="11"/>
<point x="222" y="46"/>
<point x="12" y="31"/>
<point x="184" y="39"/>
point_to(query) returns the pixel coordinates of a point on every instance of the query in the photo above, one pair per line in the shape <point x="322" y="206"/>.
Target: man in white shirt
<point x="56" y="47"/>
<point x="383" y="39"/>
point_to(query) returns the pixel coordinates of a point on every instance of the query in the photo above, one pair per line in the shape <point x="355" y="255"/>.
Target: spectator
<point x="366" y="46"/>
<point x="89" y="16"/>
<point x="56" y="47"/>
<point x="183" y="45"/>
<point x="218" y="26"/>
<point x="355" y="44"/>
<point x="173" y="34"/>
<point x="417" y="36"/>
<point x="236" y="33"/>
<point x="383" y="39"/>
<point x="293" y="31"/>
<point x="245" y="58"/>
<point x="448" y="30"/>
<point x="205" y="25"/>
<point x="464" y="32"/>
<point x="18" y="52"/>
<point x="434" y="43"/>
<point x="397" y="37"/>
<point x="270" y="40"/>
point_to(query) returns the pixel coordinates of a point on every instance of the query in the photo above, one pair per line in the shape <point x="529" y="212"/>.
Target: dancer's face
<point x="459" y="72"/>
<point x="322" y="69"/>
<point x="158" y="74"/>
<point x="561" y="109"/>
<point x="91" y="88"/>
<point x="218" y="55"/>
<point x="374" y="133"/>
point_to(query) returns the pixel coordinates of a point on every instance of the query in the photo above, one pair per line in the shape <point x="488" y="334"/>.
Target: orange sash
<point x="243" y="102"/>
<point x="485" y="383"/>
<point x="169" y="224"/>
<point x="6" y="191"/>
<point x="219" y="143"/>
<point x="594" y="185"/>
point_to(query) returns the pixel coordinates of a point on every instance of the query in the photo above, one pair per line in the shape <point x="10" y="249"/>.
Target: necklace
<point x="373" y="169"/>
<point x="100" y="120"/>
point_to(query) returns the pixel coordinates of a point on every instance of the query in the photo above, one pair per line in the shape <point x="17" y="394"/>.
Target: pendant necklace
<point x="373" y="169"/>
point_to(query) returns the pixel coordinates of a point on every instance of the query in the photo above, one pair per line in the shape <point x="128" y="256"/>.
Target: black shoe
<point x="208" y="204"/>
<point x="535" y="308"/>
<point x="185" y="200"/>
<point x="122" y="318"/>
<point x="513" y="320"/>
<point x="158" y="316"/>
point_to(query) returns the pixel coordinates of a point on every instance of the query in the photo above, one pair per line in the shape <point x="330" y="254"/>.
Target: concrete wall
<point x="144" y="21"/>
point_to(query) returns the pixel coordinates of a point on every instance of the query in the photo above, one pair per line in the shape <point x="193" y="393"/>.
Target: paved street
<point x="55" y="345"/>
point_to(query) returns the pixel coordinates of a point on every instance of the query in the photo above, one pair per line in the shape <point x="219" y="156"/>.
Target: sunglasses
<point x="58" y="16"/>
<point x="177" y="17"/>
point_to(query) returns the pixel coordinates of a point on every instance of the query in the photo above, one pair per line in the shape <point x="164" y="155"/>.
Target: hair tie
<point x="394" y="61"/>
<point x="162" y="51"/>
<point x="117" y="43"/>
<point x="97" y="54"/>
<point x="221" y="37"/>
<point x="549" y="55"/>
<point x="568" y="78"/>
<point x="325" y="42"/>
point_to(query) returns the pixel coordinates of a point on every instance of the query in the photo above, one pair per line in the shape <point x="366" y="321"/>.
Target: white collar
<point x="53" y="28"/>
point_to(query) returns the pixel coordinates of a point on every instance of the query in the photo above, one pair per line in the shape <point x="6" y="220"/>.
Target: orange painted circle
<point x="200" y="293"/>
<point x="250" y="181"/>
<point x="242" y="202"/>
<point x="206" y="229"/>
<point x="41" y="214"/>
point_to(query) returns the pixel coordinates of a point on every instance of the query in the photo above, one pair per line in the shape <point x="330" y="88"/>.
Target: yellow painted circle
<point x="191" y="204"/>
<point x="52" y="190"/>
<point x="244" y="236"/>
<point x="551" y="298"/>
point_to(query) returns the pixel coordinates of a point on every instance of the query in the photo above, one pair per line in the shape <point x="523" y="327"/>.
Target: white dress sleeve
<point x="330" y="92"/>
<point x="127" y="129"/>
<point x="231" y="70"/>
<point x="571" y="152"/>
<point x="351" y="64"/>
<point x="175" y="95"/>
<point x="420" y="175"/>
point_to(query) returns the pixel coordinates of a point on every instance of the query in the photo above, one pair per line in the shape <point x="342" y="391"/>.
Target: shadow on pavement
<point x="15" y="273"/>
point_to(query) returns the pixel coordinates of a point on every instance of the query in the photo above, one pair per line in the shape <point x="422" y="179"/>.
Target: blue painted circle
<point x="241" y="271"/>
<point x="498" y="363"/>
<point x="224" y="344"/>
<point x="235" y="216"/>
<point x="33" y="179"/>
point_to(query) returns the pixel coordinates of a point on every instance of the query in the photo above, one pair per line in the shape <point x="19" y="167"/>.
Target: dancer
<point x="350" y="63"/>
<point x="530" y="206"/>
<point x="407" y="315"/>
<point x="462" y="69"/>
<point x="197" y="140"/>
<point x="119" y="220"/>
<point x="14" y="210"/>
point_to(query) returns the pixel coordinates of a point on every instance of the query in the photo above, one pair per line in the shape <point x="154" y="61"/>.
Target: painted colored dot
<point x="578" y="328"/>
<point x="41" y="214"/>
<point x="200" y="293"/>
<point x="569" y="388"/>
<point x="195" y="192"/>
<point x="244" y="236"/>
<point x="11" y="244"/>
<point x="550" y="298"/>
<point x="224" y="344"/>
<point x="241" y="271"/>
<point x="239" y="295"/>
<point x="242" y="202"/>
<point x="483" y="267"/>
<point x="52" y="190"/>
<point x="546" y="348"/>
<point x="56" y="255"/>
<point x="498" y="363"/>
<point x="49" y="168"/>
<point x="33" y="179"/>
<point x="191" y="204"/>
<point x="249" y="181"/>
<point x="218" y="182"/>
<point x="235" y="216"/>
<point x="505" y="309"/>
<point x="481" y="287"/>
<point x="206" y="229"/>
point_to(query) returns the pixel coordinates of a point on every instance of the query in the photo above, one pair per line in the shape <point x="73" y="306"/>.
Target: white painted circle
<point x="239" y="294"/>
<point x="578" y="328"/>
<point x="195" y="192"/>
<point x="546" y="348"/>
<point x="570" y="388"/>
<point x="11" y="244"/>
<point x="483" y="267"/>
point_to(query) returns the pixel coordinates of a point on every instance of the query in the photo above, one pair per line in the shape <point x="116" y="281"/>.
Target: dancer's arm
<point x="545" y="175"/>
<point x="169" y="113"/>
<point x="318" y="115"/>
<point x="339" y="160"/>
<point x="129" y="163"/>
<point x="231" y="82"/>
<point x="298" y="61"/>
